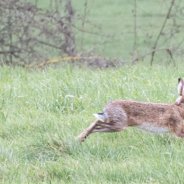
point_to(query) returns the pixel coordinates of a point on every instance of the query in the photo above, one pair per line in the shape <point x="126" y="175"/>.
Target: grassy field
<point x="41" y="112"/>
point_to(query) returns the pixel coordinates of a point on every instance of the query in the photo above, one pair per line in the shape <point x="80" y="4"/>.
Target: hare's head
<point x="180" y="88"/>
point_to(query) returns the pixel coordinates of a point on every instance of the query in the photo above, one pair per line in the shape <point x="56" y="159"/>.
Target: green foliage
<point x="41" y="112"/>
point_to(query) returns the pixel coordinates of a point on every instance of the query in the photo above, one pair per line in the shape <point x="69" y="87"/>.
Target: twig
<point x="161" y="30"/>
<point x="171" y="56"/>
<point x="84" y="21"/>
<point x="168" y="50"/>
<point x="135" y="31"/>
<point x="90" y="32"/>
<point x="47" y="44"/>
<point x="10" y="52"/>
<point x="135" y="25"/>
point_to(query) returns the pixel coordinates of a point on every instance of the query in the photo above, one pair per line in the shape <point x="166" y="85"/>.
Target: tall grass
<point x="42" y="111"/>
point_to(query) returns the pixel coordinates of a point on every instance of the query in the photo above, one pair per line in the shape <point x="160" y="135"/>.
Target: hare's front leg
<point x="179" y="129"/>
<point x="174" y="122"/>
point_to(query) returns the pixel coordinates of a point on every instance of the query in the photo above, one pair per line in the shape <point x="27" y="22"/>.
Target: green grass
<point x="41" y="112"/>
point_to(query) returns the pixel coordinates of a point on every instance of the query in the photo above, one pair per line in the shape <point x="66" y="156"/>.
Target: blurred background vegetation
<point x="37" y="31"/>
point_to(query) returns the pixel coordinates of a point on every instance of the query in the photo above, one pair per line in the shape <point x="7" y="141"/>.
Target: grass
<point x="41" y="112"/>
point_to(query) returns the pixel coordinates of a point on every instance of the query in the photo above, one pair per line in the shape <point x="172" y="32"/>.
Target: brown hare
<point x="153" y="117"/>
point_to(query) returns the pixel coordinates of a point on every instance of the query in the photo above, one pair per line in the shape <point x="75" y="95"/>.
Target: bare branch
<point x="161" y="30"/>
<point x="35" y="32"/>
<point x="168" y="51"/>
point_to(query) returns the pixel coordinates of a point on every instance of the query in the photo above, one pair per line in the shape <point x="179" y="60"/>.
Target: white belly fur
<point x="152" y="128"/>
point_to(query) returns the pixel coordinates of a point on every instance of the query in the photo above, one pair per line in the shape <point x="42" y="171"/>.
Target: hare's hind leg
<point x="113" y="119"/>
<point x="99" y="126"/>
<point x="83" y="135"/>
<point x="108" y="127"/>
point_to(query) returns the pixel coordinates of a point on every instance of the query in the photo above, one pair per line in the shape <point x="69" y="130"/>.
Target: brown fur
<point x="121" y="114"/>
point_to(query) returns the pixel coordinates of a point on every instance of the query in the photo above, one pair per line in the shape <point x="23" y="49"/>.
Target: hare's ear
<point x="179" y="80"/>
<point x="178" y="100"/>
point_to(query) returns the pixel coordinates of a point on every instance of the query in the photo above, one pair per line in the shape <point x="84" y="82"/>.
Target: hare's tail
<point x="101" y="116"/>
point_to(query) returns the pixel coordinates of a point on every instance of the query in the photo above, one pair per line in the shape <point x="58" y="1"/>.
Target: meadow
<point x="42" y="111"/>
